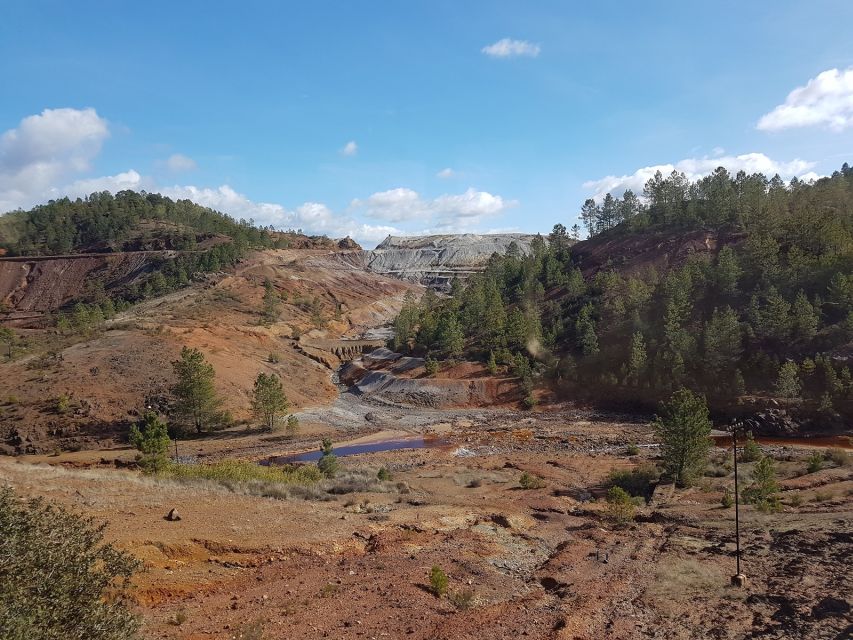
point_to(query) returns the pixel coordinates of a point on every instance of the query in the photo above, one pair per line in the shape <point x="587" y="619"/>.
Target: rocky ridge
<point x="436" y="260"/>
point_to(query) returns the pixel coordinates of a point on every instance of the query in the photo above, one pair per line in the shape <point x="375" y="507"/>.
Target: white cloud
<point x="350" y="148"/>
<point x="119" y="182"/>
<point x="312" y="217"/>
<point x="178" y="162"/>
<point x="695" y="168"/>
<point x="508" y="48"/>
<point x="446" y="173"/>
<point x="46" y="150"/>
<point x="43" y="158"/>
<point x="826" y="100"/>
<point x="403" y="204"/>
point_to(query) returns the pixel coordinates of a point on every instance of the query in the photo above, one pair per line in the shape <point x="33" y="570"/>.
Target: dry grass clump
<point x="238" y="471"/>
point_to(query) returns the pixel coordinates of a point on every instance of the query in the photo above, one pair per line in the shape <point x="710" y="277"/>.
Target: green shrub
<point x="762" y="491"/>
<point x="462" y="600"/>
<point x="431" y="366"/>
<point x="62" y="404"/>
<point x="273" y="358"/>
<point x="530" y="481"/>
<point x="814" y="462"/>
<point x="636" y="482"/>
<point x="620" y="506"/>
<point x="152" y="442"/>
<point x="328" y="462"/>
<point x="750" y="452"/>
<point x="383" y="474"/>
<point x="438" y="581"/>
<point x="728" y="499"/>
<point x="795" y="500"/>
<point x="530" y="401"/>
<point x="67" y="584"/>
<point x="632" y="450"/>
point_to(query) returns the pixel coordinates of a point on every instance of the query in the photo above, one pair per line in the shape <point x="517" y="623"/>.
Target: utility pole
<point x="739" y="579"/>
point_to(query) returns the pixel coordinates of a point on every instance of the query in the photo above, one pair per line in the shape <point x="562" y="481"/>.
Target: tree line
<point x="762" y="315"/>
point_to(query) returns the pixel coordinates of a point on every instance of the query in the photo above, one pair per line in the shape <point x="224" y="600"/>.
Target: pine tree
<point x="684" y="429"/>
<point x="788" y="382"/>
<point x="196" y="402"/>
<point x="152" y="441"/>
<point x="492" y="364"/>
<point x="637" y="360"/>
<point x="723" y="347"/>
<point x="268" y="400"/>
<point x="805" y="318"/>
<point x="328" y="462"/>
<point x="451" y="339"/>
<point x="727" y="272"/>
<point x="587" y="339"/>
<point x="271" y="301"/>
<point x="7" y="336"/>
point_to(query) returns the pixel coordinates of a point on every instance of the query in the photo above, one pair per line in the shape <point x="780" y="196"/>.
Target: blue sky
<point x="342" y="117"/>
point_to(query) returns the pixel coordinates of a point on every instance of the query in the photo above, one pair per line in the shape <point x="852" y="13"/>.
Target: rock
<point x="173" y="515"/>
<point x="436" y="260"/>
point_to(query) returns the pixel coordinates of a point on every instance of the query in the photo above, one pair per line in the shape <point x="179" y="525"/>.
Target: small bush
<point x="62" y="404"/>
<point x="179" y="618"/>
<point x="838" y="456"/>
<point x="273" y="358"/>
<point x="462" y="600"/>
<point x="530" y="481"/>
<point x="636" y="482"/>
<point x="795" y="500"/>
<point x="438" y="581"/>
<point x="762" y="491"/>
<point x="66" y="582"/>
<point x="152" y="442"/>
<point x="822" y="496"/>
<point x="620" y="506"/>
<point x="728" y="499"/>
<point x="632" y="450"/>
<point x="292" y="425"/>
<point x="530" y="401"/>
<point x="750" y="452"/>
<point x="328" y="462"/>
<point x="814" y="462"/>
<point x="383" y="474"/>
<point x="431" y="366"/>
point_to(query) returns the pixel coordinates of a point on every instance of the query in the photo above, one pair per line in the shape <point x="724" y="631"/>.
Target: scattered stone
<point x="173" y="515"/>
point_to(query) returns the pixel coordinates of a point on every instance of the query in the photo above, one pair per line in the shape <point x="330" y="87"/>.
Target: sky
<point x="385" y="117"/>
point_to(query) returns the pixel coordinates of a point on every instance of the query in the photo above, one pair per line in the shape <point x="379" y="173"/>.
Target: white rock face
<point x="436" y="260"/>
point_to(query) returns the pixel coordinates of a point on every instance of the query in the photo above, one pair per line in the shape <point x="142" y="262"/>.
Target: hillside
<point x="121" y="249"/>
<point x="83" y="386"/>
<point x="739" y="287"/>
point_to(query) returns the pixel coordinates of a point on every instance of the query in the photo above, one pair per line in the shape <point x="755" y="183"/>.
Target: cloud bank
<point x="695" y="168"/>
<point x="826" y="100"/>
<point x="48" y="155"/>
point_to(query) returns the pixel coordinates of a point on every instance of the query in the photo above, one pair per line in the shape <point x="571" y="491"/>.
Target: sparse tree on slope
<point x="268" y="400"/>
<point x="196" y="401"/>
<point x="684" y="430"/>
